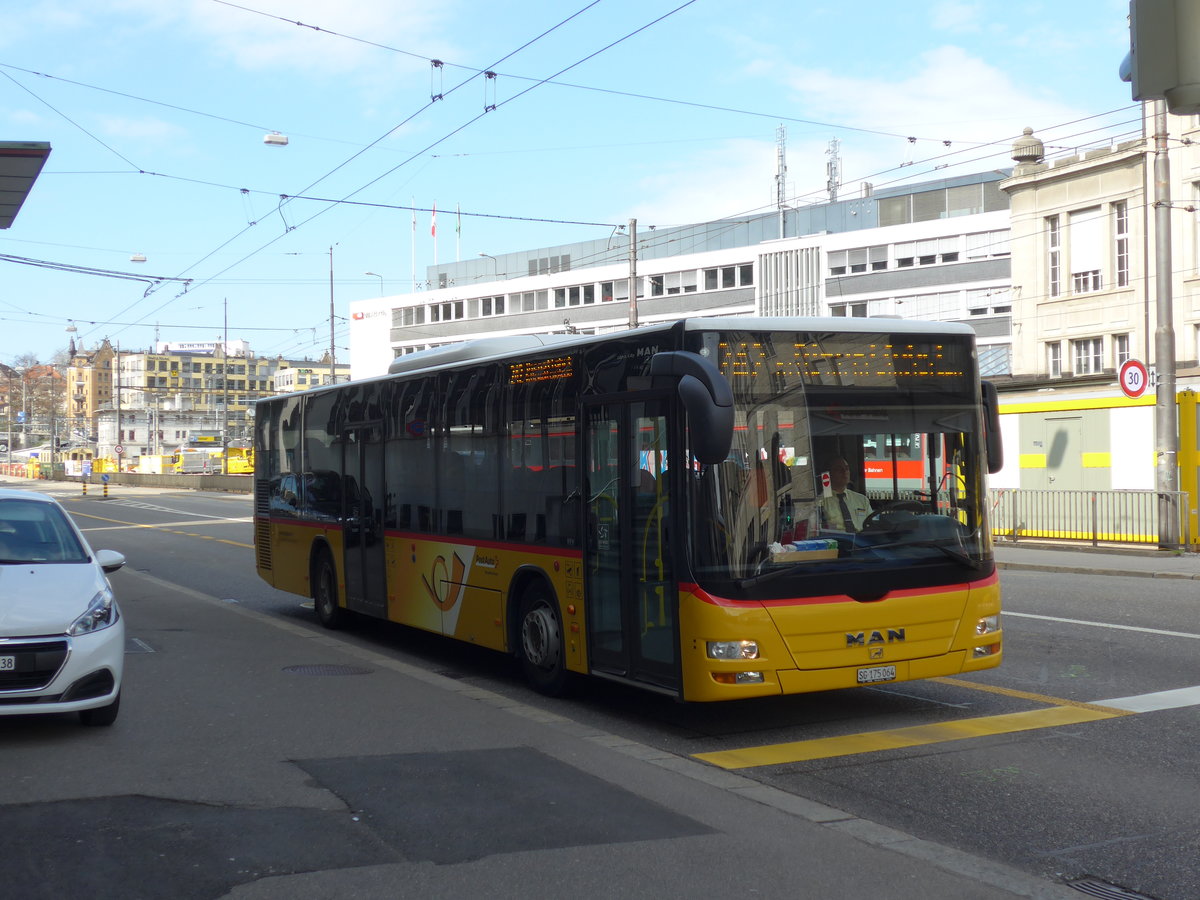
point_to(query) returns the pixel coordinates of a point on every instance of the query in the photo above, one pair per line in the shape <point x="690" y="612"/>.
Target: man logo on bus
<point x="862" y="639"/>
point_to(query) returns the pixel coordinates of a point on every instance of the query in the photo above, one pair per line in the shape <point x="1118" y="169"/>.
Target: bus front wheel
<point x="542" y="655"/>
<point x="325" y="593"/>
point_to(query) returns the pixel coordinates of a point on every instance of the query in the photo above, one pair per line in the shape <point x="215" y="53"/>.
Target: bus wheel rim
<point x="540" y="638"/>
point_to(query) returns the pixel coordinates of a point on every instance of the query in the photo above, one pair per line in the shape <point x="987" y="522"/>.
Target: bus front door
<point x="630" y="589"/>
<point x="362" y="520"/>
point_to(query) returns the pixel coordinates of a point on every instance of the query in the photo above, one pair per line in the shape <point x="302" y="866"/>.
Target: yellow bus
<point x="653" y="506"/>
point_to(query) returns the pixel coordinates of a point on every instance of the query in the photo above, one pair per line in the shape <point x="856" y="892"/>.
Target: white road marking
<point x="1176" y="699"/>
<point x="1182" y="634"/>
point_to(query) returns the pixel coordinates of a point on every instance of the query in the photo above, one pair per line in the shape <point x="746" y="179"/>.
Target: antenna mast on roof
<point x="834" y="169"/>
<point x="781" y="175"/>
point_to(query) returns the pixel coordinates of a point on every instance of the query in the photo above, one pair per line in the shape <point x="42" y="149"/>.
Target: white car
<point x="62" y="638"/>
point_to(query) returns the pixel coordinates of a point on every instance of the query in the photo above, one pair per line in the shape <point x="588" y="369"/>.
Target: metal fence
<point x="1111" y="517"/>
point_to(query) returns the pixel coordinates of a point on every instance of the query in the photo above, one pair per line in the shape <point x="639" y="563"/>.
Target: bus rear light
<point x="738" y="677"/>
<point x="732" y="649"/>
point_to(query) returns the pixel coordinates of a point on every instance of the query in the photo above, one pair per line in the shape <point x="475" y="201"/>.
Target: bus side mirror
<point x="706" y="396"/>
<point x="991" y="427"/>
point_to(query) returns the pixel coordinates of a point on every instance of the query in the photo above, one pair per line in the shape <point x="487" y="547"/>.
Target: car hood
<point x="45" y="599"/>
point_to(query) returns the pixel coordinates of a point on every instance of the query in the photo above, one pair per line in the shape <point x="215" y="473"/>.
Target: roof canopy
<point x="20" y="164"/>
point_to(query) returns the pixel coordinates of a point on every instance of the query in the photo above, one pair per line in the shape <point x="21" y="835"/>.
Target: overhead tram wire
<point x="581" y="87"/>
<point x="446" y="136"/>
<point x="344" y="163"/>
<point x="68" y="119"/>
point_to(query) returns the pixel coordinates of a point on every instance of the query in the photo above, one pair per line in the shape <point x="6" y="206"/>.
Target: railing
<point x="1111" y="517"/>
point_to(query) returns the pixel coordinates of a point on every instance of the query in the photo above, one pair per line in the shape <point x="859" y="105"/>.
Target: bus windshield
<point x="842" y="479"/>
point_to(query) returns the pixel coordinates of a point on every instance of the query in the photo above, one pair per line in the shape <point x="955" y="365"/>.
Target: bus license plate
<point x="875" y="674"/>
<point x="8" y="663"/>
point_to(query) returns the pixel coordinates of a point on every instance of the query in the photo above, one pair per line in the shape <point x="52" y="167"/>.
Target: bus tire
<point x="541" y="648"/>
<point x="325" y="592"/>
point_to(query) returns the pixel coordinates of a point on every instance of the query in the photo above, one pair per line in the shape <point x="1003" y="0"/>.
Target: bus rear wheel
<point x="325" y="593"/>
<point x="543" y="658"/>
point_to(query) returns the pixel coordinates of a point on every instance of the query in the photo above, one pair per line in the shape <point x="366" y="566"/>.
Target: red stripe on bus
<point x="566" y="552"/>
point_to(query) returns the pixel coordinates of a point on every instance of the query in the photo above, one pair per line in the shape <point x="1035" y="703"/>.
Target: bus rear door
<point x="362" y="519"/>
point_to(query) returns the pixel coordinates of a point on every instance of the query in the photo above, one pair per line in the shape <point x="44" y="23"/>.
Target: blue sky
<point x="660" y="110"/>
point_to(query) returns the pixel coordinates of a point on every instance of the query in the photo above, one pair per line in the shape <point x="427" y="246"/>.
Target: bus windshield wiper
<point x="952" y="552"/>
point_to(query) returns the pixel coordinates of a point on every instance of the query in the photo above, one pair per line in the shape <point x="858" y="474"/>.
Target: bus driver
<point x="844" y="509"/>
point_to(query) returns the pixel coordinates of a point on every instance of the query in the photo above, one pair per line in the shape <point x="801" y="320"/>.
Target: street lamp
<point x="495" y="263"/>
<point x="380" y="277"/>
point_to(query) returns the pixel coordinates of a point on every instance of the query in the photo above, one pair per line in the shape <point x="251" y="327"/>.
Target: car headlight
<point x="733" y="649"/>
<point x="101" y="613"/>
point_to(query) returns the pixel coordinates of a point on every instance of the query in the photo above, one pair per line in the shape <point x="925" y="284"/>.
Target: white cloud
<point x="702" y="186"/>
<point x="944" y="94"/>
<point x="955" y="15"/>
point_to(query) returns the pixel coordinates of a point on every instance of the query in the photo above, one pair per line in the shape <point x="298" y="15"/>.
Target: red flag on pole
<point x="433" y="221"/>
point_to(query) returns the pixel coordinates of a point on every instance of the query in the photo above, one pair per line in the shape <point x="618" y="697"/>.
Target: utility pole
<point x="332" y="348"/>
<point x="117" y="392"/>
<point x="225" y="390"/>
<point x="633" y="311"/>
<point x="1166" y="427"/>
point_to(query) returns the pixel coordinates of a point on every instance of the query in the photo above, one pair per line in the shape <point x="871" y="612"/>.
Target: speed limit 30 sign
<point x="1134" y="378"/>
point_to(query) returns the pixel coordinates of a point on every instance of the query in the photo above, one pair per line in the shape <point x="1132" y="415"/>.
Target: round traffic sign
<point x="1134" y="378"/>
<point x="118" y="449"/>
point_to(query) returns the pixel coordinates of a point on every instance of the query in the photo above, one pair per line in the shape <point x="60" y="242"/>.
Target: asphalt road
<point x="1032" y="765"/>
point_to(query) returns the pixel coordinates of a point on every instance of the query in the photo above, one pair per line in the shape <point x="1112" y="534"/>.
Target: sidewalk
<point x="240" y="769"/>
<point x="1137" y="562"/>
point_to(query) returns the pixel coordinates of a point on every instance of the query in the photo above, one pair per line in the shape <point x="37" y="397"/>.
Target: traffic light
<point x="1164" y="56"/>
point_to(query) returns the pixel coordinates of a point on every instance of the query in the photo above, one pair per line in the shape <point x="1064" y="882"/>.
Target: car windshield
<point x="36" y="532"/>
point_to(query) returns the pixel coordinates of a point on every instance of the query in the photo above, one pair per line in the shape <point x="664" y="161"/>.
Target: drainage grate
<point x="1094" y="887"/>
<point x="326" y="669"/>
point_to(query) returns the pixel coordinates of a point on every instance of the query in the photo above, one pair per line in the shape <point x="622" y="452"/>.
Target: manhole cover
<point x="326" y="669"/>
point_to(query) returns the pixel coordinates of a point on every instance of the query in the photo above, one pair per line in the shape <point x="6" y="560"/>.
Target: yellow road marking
<point x="82" y="515"/>
<point x="915" y="736"/>
<point x="1023" y="695"/>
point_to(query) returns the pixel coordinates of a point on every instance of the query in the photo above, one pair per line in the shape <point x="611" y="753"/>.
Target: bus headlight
<point x="988" y="624"/>
<point x="732" y="649"/>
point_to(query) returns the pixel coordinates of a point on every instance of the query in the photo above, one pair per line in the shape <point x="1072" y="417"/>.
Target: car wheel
<point x="325" y="593"/>
<point x="101" y="715"/>
<point x="543" y="657"/>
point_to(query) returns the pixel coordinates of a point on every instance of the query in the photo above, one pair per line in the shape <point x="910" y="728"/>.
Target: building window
<point x="1054" y="359"/>
<point x="1088" y="355"/>
<point x="1121" y="232"/>
<point x="1120" y="350"/>
<point x="1054" y="256"/>
<point x="1087" y="250"/>
<point x="906" y="253"/>
<point x="746" y="275"/>
<point x="837" y="262"/>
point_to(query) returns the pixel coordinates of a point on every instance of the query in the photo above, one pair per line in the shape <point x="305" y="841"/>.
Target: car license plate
<point x="875" y="674"/>
<point x="8" y="663"/>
